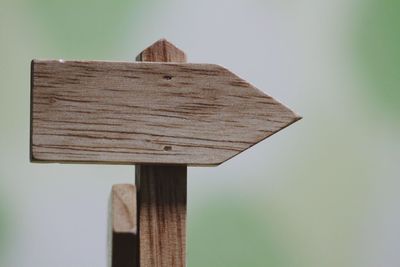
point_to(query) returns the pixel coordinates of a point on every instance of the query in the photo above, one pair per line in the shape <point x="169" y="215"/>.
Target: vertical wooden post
<point x="124" y="226"/>
<point x="162" y="192"/>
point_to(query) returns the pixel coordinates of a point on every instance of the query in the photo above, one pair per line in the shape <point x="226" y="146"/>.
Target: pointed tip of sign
<point x="162" y="51"/>
<point x="297" y="117"/>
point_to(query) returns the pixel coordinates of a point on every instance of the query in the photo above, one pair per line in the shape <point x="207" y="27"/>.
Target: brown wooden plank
<point x="162" y="215"/>
<point x="126" y="112"/>
<point x="162" y="194"/>
<point x="124" y="240"/>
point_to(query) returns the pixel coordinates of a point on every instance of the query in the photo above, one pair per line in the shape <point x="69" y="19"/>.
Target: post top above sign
<point x="162" y="51"/>
<point x="155" y="113"/>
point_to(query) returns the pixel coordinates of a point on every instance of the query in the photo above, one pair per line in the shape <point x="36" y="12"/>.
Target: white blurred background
<point x="323" y="192"/>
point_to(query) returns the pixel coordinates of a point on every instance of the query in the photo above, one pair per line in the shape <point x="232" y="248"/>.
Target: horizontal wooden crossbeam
<point x="168" y="113"/>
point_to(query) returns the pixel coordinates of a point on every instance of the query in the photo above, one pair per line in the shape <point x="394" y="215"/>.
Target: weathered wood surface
<point x="126" y="112"/>
<point x="124" y="239"/>
<point x="162" y="193"/>
<point x="162" y="215"/>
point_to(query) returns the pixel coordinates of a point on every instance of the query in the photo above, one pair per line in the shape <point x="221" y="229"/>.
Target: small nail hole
<point x="167" y="77"/>
<point x="167" y="148"/>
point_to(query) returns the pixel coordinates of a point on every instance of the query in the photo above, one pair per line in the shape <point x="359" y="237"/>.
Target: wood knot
<point x="167" y="77"/>
<point x="167" y="148"/>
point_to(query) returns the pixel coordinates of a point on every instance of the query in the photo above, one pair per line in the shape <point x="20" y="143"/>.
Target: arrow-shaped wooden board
<point x="123" y="112"/>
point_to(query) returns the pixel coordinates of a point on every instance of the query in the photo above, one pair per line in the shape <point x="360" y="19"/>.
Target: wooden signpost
<point x="161" y="114"/>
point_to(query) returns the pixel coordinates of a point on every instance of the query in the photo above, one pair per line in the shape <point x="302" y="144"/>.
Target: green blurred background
<point x="322" y="193"/>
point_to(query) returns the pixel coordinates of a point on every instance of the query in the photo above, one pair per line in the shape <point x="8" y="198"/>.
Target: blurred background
<point x="323" y="192"/>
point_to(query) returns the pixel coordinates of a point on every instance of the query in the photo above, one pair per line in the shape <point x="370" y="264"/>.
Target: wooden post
<point x="124" y="237"/>
<point x="162" y="194"/>
<point x="162" y="215"/>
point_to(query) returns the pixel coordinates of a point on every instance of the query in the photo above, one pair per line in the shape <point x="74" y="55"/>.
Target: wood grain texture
<point x="124" y="240"/>
<point x="162" y="215"/>
<point x="126" y="112"/>
<point x="162" y="195"/>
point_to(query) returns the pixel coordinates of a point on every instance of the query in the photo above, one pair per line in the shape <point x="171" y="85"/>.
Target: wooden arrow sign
<point x="161" y="116"/>
<point x="164" y="113"/>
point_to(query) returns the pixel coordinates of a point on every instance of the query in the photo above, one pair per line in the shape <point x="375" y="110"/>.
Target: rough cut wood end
<point x="124" y="218"/>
